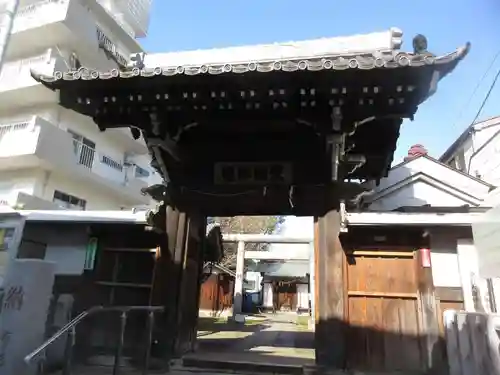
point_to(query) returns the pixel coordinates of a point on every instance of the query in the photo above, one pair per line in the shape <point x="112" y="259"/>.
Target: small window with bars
<point x="111" y="163"/>
<point x="69" y="201"/>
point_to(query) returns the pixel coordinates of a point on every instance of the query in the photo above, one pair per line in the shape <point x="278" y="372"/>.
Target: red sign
<point x="425" y="255"/>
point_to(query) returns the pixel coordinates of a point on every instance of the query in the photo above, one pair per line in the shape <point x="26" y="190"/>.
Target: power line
<point x="479" y="83"/>
<point x="485" y="100"/>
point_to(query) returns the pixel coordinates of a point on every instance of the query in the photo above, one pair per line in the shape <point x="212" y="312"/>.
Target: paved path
<point x="275" y="344"/>
<point x="277" y="340"/>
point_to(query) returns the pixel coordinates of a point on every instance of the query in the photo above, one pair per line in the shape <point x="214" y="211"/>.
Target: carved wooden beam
<point x="159" y="160"/>
<point x="167" y="145"/>
<point x="163" y="142"/>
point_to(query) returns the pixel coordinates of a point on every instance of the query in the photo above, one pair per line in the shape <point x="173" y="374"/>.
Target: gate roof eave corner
<point x="334" y="60"/>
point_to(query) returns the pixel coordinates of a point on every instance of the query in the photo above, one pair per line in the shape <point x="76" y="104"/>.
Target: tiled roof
<point x="311" y="55"/>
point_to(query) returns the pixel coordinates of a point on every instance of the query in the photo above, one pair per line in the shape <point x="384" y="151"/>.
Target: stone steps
<point x="230" y="368"/>
<point x="238" y="366"/>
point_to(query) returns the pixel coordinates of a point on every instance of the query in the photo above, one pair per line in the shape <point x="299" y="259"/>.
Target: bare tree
<point x="246" y="225"/>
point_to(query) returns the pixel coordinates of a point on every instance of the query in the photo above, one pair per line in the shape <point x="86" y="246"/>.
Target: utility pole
<point x="8" y="11"/>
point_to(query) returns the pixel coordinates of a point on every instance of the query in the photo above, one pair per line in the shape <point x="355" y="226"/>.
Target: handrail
<point x="54" y="337"/>
<point x="73" y="323"/>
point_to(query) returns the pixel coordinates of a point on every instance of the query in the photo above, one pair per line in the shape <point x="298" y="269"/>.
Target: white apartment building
<point x="51" y="157"/>
<point x="477" y="153"/>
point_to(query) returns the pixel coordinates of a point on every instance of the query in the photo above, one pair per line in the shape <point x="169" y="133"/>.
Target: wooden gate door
<point x="382" y="311"/>
<point x="287" y="297"/>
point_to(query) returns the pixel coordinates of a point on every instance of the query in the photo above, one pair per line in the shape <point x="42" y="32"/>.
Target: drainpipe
<point x="9" y="12"/>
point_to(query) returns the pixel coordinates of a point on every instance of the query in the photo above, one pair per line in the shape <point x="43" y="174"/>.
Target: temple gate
<point x="282" y="129"/>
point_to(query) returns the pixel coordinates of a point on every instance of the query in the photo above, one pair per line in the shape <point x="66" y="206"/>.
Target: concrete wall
<point x="486" y="161"/>
<point x="302" y="297"/>
<point x="11" y="232"/>
<point x="444" y="259"/>
<point x="469" y="273"/>
<point x="455" y="264"/>
<point x="65" y="245"/>
<point x="14" y="182"/>
<point x="28" y="288"/>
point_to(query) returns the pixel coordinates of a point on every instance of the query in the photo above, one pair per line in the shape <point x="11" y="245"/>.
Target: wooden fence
<point x="472" y="342"/>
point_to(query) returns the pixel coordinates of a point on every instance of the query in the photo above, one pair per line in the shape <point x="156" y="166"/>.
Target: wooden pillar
<point x="166" y="285"/>
<point x="329" y="292"/>
<point x="432" y="344"/>
<point x="188" y="305"/>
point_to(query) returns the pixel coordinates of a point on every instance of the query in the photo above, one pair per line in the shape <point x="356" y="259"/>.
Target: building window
<point x="250" y="285"/>
<point x="110" y="49"/>
<point x="29" y="249"/>
<point x="111" y="163"/>
<point x="84" y="149"/>
<point x="69" y="201"/>
<point x="141" y="172"/>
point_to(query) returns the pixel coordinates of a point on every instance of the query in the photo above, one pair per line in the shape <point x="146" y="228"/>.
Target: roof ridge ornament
<point x="420" y="45"/>
<point x="138" y="60"/>
<point x="396" y="38"/>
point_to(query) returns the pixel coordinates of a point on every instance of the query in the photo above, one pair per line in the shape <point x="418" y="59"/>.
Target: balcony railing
<point x="106" y="166"/>
<point x="32" y="8"/>
<point x="31" y="15"/>
<point x="8" y="128"/>
<point x="35" y="137"/>
<point x="84" y="154"/>
<point x="18" y="73"/>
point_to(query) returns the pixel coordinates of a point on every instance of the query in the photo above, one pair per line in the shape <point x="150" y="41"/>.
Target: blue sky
<point x="447" y="24"/>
